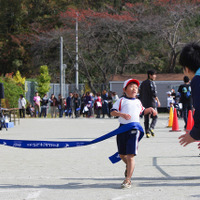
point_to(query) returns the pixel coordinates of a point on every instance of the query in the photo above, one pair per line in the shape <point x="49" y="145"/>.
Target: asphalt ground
<point x="164" y="169"/>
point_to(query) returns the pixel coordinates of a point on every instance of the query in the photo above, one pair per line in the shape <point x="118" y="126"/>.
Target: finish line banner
<point x="34" y="144"/>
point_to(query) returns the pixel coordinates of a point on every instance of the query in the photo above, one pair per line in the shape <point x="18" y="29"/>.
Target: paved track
<point x="164" y="169"/>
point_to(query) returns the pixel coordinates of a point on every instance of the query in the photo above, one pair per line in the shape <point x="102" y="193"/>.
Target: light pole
<point x="64" y="68"/>
<point x="76" y="65"/>
<point x="61" y="66"/>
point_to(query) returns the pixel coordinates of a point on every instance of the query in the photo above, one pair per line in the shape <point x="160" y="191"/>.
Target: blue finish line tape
<point x="34" y="144"/>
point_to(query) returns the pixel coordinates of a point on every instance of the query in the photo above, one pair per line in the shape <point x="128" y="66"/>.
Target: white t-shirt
<point x="131" y="106"/>
<point x="169" y="100"/>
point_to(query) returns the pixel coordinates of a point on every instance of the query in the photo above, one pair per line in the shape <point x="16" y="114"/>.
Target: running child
<point x="190" y="60"/>
<point x="129" y="109"/>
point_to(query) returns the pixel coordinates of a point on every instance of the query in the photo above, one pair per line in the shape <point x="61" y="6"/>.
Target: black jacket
<point x="148" y="93"/>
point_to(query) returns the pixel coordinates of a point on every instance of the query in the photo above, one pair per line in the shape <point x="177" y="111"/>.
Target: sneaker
<point x="152" y="132"/>
<point x="148" y="135"/>
<point x="126" y="184"/>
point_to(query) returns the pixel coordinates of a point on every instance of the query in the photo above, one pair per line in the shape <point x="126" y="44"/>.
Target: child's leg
<point x="130" y="165"/>
<point x="129" y="160"/>
<point x="124" y="158"/>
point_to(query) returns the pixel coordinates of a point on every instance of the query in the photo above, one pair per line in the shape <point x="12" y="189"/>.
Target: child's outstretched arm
<point x="119" y="114"/>
<point x="150" y="110"/>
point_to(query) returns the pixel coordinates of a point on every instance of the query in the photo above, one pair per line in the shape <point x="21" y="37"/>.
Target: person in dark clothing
<point x="185" y="98"/>
<point x="105" y="108"/>
<point x="190" y="60"/>
<point x="148" y="97"/>
<point x="44" y="105"/>
<point x="82" y="105"/>
<point x="69" y="105"/>
<point x="53" y="105"/>
<point x="61" y="105"/>
<point x="76" y="103"/>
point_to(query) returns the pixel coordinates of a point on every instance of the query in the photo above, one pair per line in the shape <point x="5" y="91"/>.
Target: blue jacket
<point x="195" y="85"/>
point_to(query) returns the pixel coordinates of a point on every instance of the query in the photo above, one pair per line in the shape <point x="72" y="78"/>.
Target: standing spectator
<point x="114" y="97"/>
<point x="170" y="100"/>
<point x="185" y="98"/>
<point x="88" y="104"/>
<point x="148" y="97"/>
<point x="173" y="94"/>
<point x="60" y="105"/>
<point x="44" y="105"/>
<point x="98" y="104"/>
<point x="110" y="104"/>
<point x="92" y="103"/>
<point x="53" y="105"/>
<point x="65" y="106"/>
<point x="82" y="105"/>
<point x="22" y="106"/>
<point x="105" y="109"/>
<point x="36" y="100"/>
<point x="76" y="104"/>
<point x="69" y="105"/>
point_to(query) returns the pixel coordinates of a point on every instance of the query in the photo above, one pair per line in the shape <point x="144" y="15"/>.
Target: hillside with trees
<point x="115" y="37"/>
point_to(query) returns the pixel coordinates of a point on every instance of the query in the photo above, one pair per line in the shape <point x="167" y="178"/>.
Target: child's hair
<point x="186" y="79"/>
<point x="151" y="72"/>
<point x="190" y="56"/>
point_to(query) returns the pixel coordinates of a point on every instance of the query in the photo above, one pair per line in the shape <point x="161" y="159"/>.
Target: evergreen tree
<point x="43" y="81"/>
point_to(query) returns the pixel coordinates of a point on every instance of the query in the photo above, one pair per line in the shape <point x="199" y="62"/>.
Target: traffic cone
<point x="193" y="117"/>
<point x="190" y="121"/>
<point x="175" y="126"/>
<point x="170" y="122"/>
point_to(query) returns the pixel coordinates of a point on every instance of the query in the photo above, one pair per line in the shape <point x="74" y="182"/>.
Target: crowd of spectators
<point x="73" y="106"/>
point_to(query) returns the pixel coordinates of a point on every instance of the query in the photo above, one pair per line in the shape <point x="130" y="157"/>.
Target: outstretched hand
<point x="186" y="139"/>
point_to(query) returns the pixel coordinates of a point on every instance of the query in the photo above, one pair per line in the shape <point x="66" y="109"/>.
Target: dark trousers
<point x="186" y="108"/>
<point x="43" y="111"/>
<point x="98" y="112"/>
<point x="22" y="113"/>
<point x="146" y="122"/>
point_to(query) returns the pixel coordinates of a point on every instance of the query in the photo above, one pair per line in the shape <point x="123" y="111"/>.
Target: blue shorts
<point x="127" y="142"/>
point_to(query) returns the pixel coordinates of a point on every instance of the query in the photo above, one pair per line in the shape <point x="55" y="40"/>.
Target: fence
<point x="55" y="89"/>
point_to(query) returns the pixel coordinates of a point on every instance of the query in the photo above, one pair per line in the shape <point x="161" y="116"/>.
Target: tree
<point x="12" y="91"/>
<point x="173" y="23"/>
<point x="43" y="81"/>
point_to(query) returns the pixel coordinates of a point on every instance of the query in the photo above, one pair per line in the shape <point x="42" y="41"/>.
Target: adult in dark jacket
<point x="44" y="105"/>
<point x="69" y="105"/>
<point x="53" y="105"/>
<point x="61" y="105"/>
<point x="148" y="97"/>
<point x="76" y="103"/>
<point x="185" y="98"/>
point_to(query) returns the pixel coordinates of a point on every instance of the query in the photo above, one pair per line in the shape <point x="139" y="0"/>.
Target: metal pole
<point x="77" y="52"/>
<point x="64" y="68"/>
<point x="61" y="66"/>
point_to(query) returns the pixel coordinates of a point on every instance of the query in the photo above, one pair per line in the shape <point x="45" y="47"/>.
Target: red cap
<point x="131" y="81"/>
